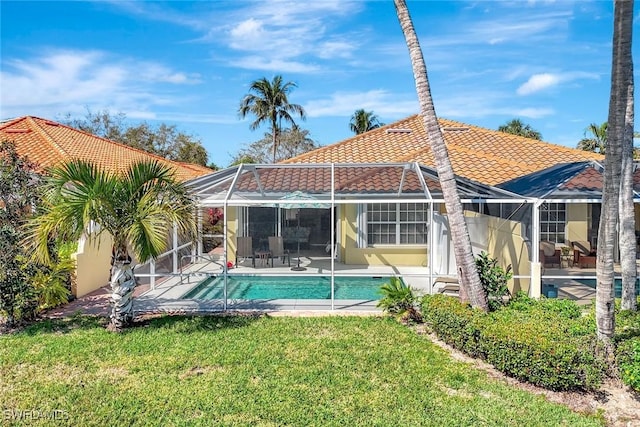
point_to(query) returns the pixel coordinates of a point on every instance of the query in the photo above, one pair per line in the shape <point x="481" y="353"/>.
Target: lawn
<point x="241" y="371"/>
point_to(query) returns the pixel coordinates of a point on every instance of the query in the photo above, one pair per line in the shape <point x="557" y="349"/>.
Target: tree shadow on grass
<point x="177" y="323"/>
<point x="196" y="323"/>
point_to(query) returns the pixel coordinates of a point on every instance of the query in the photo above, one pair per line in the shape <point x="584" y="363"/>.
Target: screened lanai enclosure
<point x="327" y="236"/>
<point x="307" y="236"/>
<point x="567" y="204"/>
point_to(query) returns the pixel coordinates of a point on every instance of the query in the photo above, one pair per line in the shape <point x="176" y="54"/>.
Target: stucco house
<point x="47" y="143"/>
<point x="380" y="203"/>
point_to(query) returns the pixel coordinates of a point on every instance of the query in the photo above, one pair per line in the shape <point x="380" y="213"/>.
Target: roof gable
<point x="565" y="181"/>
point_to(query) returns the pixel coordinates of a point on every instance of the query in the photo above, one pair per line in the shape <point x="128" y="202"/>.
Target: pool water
<point x="288" y="287"/>
<point x="617" y="286"/>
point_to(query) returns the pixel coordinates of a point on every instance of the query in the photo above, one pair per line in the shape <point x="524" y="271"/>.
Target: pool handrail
<point x="192" y="256"/>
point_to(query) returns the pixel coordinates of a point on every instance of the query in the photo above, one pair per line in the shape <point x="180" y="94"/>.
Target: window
<point x="553" y="217"/>
<point x="396" y="224"/>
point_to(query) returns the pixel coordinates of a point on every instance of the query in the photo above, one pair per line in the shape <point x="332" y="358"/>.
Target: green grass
<point x="255" y="371"/>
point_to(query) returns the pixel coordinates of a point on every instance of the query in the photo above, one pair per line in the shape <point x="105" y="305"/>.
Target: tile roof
<point x="568" y="180"/>
<point x="48" y="143"/>
<point x="380" y="181"/>
<point x="480" y="154"/>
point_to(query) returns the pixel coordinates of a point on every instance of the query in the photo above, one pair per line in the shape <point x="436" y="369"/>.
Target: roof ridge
<point x="33" y="123"/>
<point x="11" y="122"/>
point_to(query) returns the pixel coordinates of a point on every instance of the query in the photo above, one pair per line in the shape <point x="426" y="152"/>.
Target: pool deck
<point x="166" y="296"/>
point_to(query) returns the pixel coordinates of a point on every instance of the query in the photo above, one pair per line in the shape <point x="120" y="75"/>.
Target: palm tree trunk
<point x="467" y="272"/>
<point x="275" y="144"/>
<point x="627" y="210"/>
<point x="618" y="103"/>
<point x="123" y="284"/>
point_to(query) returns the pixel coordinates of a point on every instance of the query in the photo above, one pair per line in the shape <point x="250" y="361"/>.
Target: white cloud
<point x="173" y="116"/>
<point x="279" y="65"/>
<point x="335" y="49"/>
<point x="68" y="81"/>
<point x="534" y="113"/>
<point x="538" y="82"/>
<point x="383" y="103"/>
<point x="484" y="103"/>
<point x="508" y="27"/>
<point x="247" y="31"/>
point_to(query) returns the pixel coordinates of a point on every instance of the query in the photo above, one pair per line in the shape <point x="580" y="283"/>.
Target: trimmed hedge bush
<point x="628" y="346"/>
<point x="628" y="358"/>
<point x="543" y="343"/>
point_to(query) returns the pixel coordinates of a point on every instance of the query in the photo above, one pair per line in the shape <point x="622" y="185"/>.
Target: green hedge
<point x="628" y="359"/>
<point x="545" y="343"/>
<point x="628" y="346"/>
<point x="453" y="322"/>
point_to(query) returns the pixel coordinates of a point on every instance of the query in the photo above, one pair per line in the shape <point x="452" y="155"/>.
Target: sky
<point x="190" y="63"/>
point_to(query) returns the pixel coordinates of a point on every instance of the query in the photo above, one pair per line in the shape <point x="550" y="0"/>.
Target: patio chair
<point x="583" y="254"/>
<point x="245" y="249"/>
<point x="276" y="246"/>
<point x="549" y="255"/>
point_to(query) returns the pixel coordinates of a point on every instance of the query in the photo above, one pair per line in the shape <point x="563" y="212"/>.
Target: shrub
<point x="494" y="279"/>
<point x="52" y="284"/>
<point x="628" y="347"/>
<point x="453" y="321"/>
<point x="399" y="300"/>
<point x="539" y="348"/>
<point x="628" y="359"/>
<point x="540" y="342"/>
<point x="18" y="182"/>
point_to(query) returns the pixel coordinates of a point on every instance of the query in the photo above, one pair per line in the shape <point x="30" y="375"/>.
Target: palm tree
<point x="517" y="127"/>
<point x="627" y="234"/>
<point x="137" y="209"/>
<point x="363" y="121"/>
<point x="595" y="138"/>
<point x="268" y="102"/>
<point x="620" y="128"/>
<point x="467" y="272"/>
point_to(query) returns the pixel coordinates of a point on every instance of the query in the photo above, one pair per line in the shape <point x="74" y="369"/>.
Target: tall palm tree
<point x="517" y="127"/>
<point x="268" y="102"/>
<point x="137" y="209"/>
<point x="620" y="101"/>
<point x="595" y="138"/>
<point x="363" y="121"/>
<point x="627" y="234"/>
<point x="467" y="272"/>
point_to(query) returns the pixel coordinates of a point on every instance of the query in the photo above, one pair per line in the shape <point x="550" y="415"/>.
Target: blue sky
<point x="190" y="63"/>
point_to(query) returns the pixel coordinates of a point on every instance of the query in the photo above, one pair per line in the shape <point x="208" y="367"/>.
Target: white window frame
<point x="397" y="222"/>
<point x="553" y="212"/>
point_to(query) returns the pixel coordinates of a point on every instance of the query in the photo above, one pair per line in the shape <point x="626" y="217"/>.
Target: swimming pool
<point x="288" y="287"/>
<point x="617" y="285"/>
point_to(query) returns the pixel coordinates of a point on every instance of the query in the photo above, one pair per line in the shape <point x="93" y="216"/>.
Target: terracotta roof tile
<point x="480" y="154"/>
<point x="48" y="143"/>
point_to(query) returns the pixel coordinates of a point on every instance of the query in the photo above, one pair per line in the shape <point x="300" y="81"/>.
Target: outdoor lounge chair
<point x="245" y="249"/>
<point x="549" y="255"/>
<point x="583" y="254"/>
<point x="276" y="246"/>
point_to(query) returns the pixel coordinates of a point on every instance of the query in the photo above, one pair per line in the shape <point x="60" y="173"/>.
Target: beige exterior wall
<point x="577" y="222"/>
<point x="506" y="243"/>
<point x="232" y="233"/>
<point x="93" y="264"/>
<point x="385" y="255"/>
